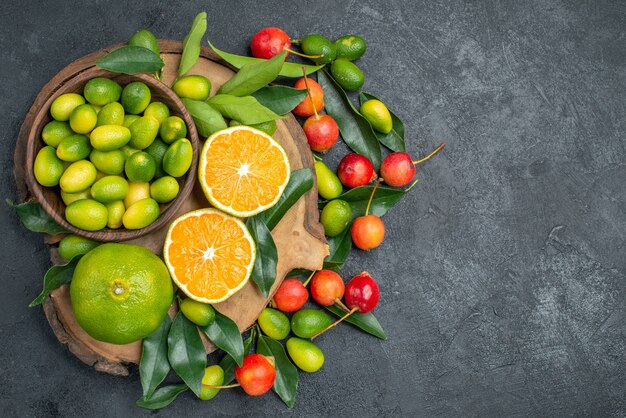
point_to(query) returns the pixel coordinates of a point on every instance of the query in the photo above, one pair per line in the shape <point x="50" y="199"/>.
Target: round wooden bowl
<point x="50" y="197"/>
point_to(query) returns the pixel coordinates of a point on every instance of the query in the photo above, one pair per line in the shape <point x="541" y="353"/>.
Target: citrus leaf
<point x="300" y="182"/>
<point x="54" y="278"/>
<point x="154" y="365"/>
<point x="394" y="140"/>
<point x="186" y="353"/>
<point x="191" y="44"/>
<point x="384" y="199"/>
<point x="279" y="99"/>
<point x="339" y="248"/>
<point x="300" y="274"/>
<point x="207" y="119"/>
<point x="355" y="130"/>
<point x="246" y="110"/>
<point x="264" y="270"/>
<point x="286" y="382"/>
<point x="35" y="219"/>
<point x="289" y="69"/>
<point x="253" y="75"/>
<point x="224" y="333"/>
<point x="162" y="397"/>
<point x="131" y="60"/>
<point x="228" y="363"/>
<point x="367" y="322"/>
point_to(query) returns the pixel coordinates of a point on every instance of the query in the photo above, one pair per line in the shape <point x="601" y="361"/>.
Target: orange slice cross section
<point x="243" y="171"/>
<point x="209" y="254"/>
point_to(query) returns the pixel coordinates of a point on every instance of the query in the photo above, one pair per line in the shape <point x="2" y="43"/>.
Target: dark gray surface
<point x="502" y="274"/>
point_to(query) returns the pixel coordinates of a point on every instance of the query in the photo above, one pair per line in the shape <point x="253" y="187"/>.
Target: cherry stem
<point x="235" y="385"/>
<point x="300" y="54"/>
<point x="308" y="92"/>
<point x="355" y="309"/>
<point x="369" y="202"/>
<point x="341" y="305"/>
<point x="306" y="282"/>
<point x="439" y="148"/>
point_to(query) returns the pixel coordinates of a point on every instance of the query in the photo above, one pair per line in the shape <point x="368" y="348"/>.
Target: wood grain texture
<point x="299" y="236"/>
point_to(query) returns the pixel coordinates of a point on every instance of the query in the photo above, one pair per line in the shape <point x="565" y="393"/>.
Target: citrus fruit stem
<point x="369" y="202"/>
<point x="353" y="310"/>
<point x="235" y="385"/>
<point x="300" y="54"/>
<point x="439" y="148"/>
<point x="306" y="282"/>
<point x="308" y="92"/>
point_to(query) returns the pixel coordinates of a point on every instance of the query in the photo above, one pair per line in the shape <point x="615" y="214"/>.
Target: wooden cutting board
<point x="299" y="236"/>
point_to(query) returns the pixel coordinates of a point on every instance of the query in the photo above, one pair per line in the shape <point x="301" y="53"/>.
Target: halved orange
<point x="209" y="254"/>
<point x="243" y="171"/>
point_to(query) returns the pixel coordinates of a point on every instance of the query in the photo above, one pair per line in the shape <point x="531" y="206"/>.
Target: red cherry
<point x="321" y="132"/>
<point x="256" y="375"/>
<point x="355" y="170"/>
<point x="362" y="292"/>
<point x="367" y="232"/>
<point x="269" y="42"/>
<point x="291" y="295"/>
<point x="397" y="169"/>
<point x="314" y="102"/>
<point x="327" y="287"/>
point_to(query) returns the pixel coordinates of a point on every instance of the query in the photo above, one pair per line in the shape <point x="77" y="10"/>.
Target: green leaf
<point x="355" y="130"/>
<point x="286" y="383"/>
<point x="246" y="110"/>
<point x="36" y="219"/>
<point x="254" y="75"/>
<point x="54" y="278"/>
<point x="394" y="140"/>
<point x="289" y="69"/>
<point x="191" y="44"/>
<point x="384" y="199"/>
<point x="154" y="365"/>
<point x="228" y="363"/>
<point x="300" y="182"/>
<point x="186" y="352"/>
<point x="207" y="119"/>
<point x="367" y="322"/>
<point x="162" y="397"/>
<point x="280" y="99"/>
<point x="339" y="248"/>
<point x="264" y="270"/>
<point x="131" y="60"/>
<point x="224" y="333"/>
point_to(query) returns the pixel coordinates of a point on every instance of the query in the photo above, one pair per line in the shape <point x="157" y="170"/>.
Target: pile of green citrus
<point x="114" y="154"/>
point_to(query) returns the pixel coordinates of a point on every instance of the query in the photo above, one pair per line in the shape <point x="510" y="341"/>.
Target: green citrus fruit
<point x="73" y="197"/>
<point x="109" y="189"/>
<point x="347" y="74"/>
<point x="128" y="150"/>
<point x="178" y="158"/>
<point x="135" y="97"/>
<point x="157" y="149"/>
<point x="157" y="110"/>
<point x="62" y="106"/>
<point x="319" y="45"/>
<point x="108" y="162"/>
<point x="136" y="192"/>
<point x="109" y="137"/>
<point x="274" y="324"/>
<point x="55" y="131"/>
<point x="115" y="212"/>
<point x="111" y="114"/>
<point x="120" y="293"/>
<point x="213" y="376"/>
<point x="195" y="87"/>
<point x="268" y="127"/>
<point x="72" y="245"/>
<point x="83" y="119"/>
<point x="377" y="115"/>
<point x="164" y="189"/>
<point x="48" y="168"/>
<point x="73" y="148"/>
<point x="146" y="39"/>
<point x="87" y="214"/>
<point x="101" y="91"/>
<point x="328" y="184"/>
<point x="143" y="131"/>
<point x="172" y="128"/>
<point x="197" y="312"/>
<point x="350" y="47"/>
<point x="306" y="355"/>
<point x="140" y="167"/>
<point x="129" y="119"/>
<point x="335" y="217"/>
<point x="141" y="214"/>
<point x="307" y="322"/>
<point x="78" y="176"/>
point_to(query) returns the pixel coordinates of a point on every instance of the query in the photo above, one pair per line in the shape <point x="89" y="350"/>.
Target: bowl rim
<point x="56" y="209"/>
